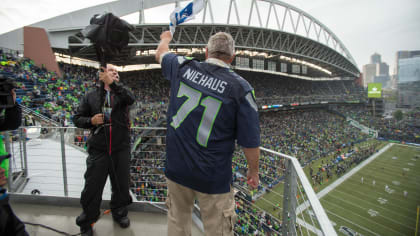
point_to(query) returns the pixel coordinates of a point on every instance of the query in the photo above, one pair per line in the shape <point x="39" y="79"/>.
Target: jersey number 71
<point x="211" y="109"/>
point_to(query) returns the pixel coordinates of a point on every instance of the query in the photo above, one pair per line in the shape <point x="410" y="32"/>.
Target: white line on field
<point x="389" y="196"/>
<point x="362" y="217"/>
<point x="343" y="178"/>
<point x="351" y="222"/>
<point x="364" y="209"/>
<point x="376" y="204"/>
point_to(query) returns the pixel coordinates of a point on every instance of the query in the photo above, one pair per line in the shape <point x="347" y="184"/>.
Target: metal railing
<point x="42" y="118"/>
<point x="53" y="162"/>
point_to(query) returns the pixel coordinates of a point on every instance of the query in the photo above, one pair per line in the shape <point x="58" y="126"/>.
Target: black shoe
<point x="86" y="231"/>
<point x="124" y="222"/>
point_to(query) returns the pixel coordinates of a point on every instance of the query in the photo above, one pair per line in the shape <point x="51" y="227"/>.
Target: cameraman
<point x="108" y="149"/>
<point x="10" y="119"/>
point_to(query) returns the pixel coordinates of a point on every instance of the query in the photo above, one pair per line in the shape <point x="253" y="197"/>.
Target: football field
<point x="378" y="205"/>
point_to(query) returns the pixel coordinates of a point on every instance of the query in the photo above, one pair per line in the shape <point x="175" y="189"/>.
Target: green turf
<point x="349" y="203"/>
<point x="270" y="200"/>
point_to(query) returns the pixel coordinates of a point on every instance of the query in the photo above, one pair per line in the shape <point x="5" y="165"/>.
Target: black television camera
<point x="109" y="34"/>
<point x="6" y="97"/>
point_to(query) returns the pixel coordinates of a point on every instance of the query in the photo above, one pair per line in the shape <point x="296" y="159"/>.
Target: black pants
<point x="99" y="166"/>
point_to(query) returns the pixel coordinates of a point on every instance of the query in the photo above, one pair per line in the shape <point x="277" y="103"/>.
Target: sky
<point x="364" y="26"/>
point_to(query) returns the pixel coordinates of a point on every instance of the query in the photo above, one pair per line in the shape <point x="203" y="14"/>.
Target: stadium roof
<point x="270" y="29"/>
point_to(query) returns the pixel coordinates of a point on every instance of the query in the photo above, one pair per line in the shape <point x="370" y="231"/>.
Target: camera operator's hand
<point x="97" y="119"/>
<point x="108" y="76"/>
<point x="3" y="180"/>
<point x="14" y="95"/>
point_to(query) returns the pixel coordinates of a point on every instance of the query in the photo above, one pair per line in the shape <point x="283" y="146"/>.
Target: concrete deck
<point x="63" y="218"/>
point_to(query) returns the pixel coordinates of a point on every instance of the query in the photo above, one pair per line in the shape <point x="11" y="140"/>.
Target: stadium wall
<point x="38" y="48"/>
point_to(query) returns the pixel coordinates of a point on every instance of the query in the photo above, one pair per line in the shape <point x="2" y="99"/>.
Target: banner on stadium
<point x="374" y="90"/>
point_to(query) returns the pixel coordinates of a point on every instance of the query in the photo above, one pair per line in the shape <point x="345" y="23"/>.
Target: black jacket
<point x="12" y="118"/>
<point x="116" y="132"/>
<point x="9" y="223"/>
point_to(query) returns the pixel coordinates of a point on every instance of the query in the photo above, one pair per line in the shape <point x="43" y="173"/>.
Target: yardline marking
<point x="394" y="168"/>
<point x="351" y="222"/>
<point x="374" y="176"/>
<point x="353" y="171"/>
<point x="367" y="219"/>
<point x="343" y="178"/>
<point x="376" y="205"/>
<point x="397" y="162"/>
<point x="412" y="191"/>
<point x="385" y="177"/>
<point x="389" y="196"/>
<point x="364" y="209"/>
<point x="397" y="176"/>
<point x="308" y="226"/>
<point x="382" y="183"/>
<point x="406" y="145"/>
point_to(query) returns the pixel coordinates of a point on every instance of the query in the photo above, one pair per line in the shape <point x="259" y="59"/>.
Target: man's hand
<point x="97" y="119"/>
<point x="3" y="180"/>
<point x="252" y="156"/>
<point x="166" y="36"/>
<point x="163" y="47"/>
<point x="253" y="179"/>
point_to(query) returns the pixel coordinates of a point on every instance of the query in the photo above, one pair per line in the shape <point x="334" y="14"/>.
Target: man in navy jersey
<point x="210" y="107"/>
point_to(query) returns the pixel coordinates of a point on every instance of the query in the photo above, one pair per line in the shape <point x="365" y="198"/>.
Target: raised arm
<point x="163" y="47"/>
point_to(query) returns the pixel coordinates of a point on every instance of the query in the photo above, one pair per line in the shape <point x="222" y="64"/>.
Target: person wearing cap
<point x="210" y="108"/>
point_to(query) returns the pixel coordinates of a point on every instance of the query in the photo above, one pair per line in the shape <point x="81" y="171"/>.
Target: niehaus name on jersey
<point x="205" y="80"/>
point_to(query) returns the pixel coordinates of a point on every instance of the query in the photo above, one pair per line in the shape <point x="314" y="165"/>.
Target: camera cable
<point x="106" y="212"/>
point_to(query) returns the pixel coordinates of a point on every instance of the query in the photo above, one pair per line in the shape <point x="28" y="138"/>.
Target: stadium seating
<point x="308" y="134"/>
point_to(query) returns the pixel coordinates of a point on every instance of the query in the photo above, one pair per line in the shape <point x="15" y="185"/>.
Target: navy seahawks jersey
<point x="210" y="107"/>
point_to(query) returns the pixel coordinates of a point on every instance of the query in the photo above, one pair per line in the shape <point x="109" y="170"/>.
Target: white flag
<point x="181" y="15"/>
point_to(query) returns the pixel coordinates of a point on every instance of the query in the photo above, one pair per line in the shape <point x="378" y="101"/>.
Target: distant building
<point x="376" y="71"/>
<point x="375" y="58"/>
<point x="409" y="70"/>
<point x="369" y="72"/>
<point x="408" y="78"/>
<point x="383" y="79"/>
<point x="404" y="55"/>
<point x="382" y="69"/>
<point x="409" y="94"/>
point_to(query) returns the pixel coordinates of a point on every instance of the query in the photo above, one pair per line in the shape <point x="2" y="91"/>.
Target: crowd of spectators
<point x="253" y="221"/>
<point x="405" y="130"/>
<point x="148" y="86"/>
<point x="276" y="89"/>
<point x="147" y="166"/>
<point x="44" y="91"/>
<point x="307" y="134"/>
<point x="339" y="163"/>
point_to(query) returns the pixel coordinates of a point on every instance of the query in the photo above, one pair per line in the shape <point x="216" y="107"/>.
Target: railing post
<point x="289" y="200"/>
<point x="7" y="146"/>
<point x="63" y="161"/>
<point x="293" y="199"/>
<point x="25" y="154"/>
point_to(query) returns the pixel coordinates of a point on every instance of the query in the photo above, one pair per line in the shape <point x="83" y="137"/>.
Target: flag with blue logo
<point x="181" y="15"/>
